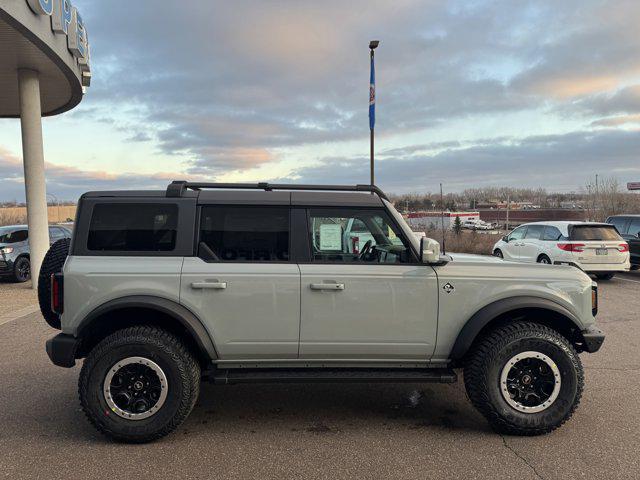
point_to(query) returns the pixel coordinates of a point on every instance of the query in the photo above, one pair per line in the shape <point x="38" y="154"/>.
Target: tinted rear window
<point x="246" y="234"/>
<point x="133" y="227"/>
<point x="594" y="232"/>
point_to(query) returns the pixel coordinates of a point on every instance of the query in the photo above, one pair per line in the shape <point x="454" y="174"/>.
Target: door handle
<point x="209" y="285"/>
<point x="327" y="286"/>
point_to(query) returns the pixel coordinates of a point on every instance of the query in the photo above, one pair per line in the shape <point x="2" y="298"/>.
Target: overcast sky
<point x="469" y="93"/>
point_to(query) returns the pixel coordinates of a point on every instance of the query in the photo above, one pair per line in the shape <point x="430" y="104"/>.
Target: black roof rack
<point x="178" y="187"/>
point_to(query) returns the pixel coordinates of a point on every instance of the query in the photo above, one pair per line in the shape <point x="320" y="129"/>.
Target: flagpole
<point x="372" y="109"/>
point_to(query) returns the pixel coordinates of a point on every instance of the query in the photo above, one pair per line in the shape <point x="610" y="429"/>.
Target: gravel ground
<point x="325" y="431"/>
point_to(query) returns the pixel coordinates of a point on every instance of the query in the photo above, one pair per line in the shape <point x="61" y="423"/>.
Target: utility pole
<point x="444" y="249"/>
<point x="508" y="207"/>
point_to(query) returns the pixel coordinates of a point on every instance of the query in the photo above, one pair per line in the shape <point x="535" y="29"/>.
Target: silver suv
<point x="279" y="283"/>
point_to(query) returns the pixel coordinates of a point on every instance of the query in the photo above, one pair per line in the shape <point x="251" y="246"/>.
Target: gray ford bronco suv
<point x="264" y="283"/>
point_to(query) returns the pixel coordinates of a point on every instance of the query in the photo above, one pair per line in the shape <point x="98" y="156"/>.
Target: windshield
<point x="11" y="235"/>
<point x="594" y="232"/>
<point x="403" y="225"/>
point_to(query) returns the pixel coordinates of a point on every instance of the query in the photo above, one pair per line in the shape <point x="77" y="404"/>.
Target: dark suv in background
<point x="629" y="228"/>
<point x="14" y="250"/>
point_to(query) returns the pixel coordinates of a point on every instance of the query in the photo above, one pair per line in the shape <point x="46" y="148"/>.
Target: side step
<point x="333" y="375"/>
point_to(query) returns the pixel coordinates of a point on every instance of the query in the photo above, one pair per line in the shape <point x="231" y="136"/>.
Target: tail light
<point x="594" y="300"/>
<point x="57" y="293"/>
<point x="623" y="247"/>
<point x="571" y="247"/>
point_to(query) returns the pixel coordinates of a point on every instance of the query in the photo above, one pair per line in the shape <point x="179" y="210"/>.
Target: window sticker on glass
<point x="330" y="237"/>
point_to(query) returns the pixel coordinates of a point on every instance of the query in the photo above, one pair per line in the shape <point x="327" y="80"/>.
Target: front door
<point x="530" y="245"/>
<point x="374" y="302"/>
<point x="512" y="248"/>
<point x="242" y="285"/>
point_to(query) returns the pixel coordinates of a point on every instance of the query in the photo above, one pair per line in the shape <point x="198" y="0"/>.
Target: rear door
<point x="377" y="304"/>
<point x="243" y="284"/>
<point x="530" y="244"/>
<point x="600" y="244"/>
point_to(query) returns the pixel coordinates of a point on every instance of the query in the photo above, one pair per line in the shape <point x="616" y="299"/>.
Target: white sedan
<point x="595" y="247"/>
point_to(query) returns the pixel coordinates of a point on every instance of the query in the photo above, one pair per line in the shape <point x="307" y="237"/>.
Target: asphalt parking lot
<point x="325" y="431"/>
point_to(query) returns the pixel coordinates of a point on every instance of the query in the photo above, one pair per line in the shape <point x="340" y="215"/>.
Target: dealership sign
<point x="633" y="186"/>
<point x="65" y="20"/>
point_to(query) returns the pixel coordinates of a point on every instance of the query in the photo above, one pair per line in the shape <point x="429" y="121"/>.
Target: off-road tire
<point x="19" y="268"/>
<point x="169" y="353"/>
<point x="605" y="276"/>
<point x="498" y="253"/>
<point x="52" y="263"/>
<point x="490" y="354"/>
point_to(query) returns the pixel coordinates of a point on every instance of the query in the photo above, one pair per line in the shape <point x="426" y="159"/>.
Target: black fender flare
<point x="181" y="314"/>
<point x="486" y="314"/>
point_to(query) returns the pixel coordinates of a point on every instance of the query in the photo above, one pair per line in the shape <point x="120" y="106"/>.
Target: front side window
<point x="352" y="236"/>
<point x="244" y="234"/>
<point x="517" y="234"/>
<point x="133" y="227"/>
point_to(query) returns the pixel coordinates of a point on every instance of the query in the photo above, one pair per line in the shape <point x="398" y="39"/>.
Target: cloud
<point x="68" y="183"/>
<point x="239" y="87"/>
<point x="557" y="162"/>
<point x="256" y="76"/>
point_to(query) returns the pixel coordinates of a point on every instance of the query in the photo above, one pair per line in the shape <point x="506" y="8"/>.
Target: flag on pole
<point x="372" y="96"/>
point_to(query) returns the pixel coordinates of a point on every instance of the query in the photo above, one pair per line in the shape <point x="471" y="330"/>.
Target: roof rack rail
<point x="178" y="187"/>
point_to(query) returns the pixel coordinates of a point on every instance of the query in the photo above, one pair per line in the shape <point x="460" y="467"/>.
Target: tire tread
<point x="487" y="349"/>
<point x="155" y="337"/>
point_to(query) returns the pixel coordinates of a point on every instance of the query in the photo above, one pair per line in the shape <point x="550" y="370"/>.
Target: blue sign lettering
<point x="41" y="7"/>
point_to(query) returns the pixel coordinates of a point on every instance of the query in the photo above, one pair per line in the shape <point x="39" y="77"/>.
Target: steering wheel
<point x="365" y="250"/>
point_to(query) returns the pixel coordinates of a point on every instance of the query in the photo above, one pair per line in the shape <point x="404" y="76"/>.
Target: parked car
<point x="628" y="227"/>
<point x="260" y="283"/>
<point x="594" y="247"/>
<point x="477" y="225"/>
<point x="14" y="250"/>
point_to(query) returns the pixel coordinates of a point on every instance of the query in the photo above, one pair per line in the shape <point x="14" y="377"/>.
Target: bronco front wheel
<point x="139" y="384"/>
<point x="525" y="378"/>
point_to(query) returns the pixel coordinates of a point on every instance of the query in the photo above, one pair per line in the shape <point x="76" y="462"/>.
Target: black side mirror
<point x="505" y="239"/>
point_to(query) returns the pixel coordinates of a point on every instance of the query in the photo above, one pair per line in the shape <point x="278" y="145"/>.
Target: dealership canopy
<point x="48" y="37"/>
<point x="44" y="70"/>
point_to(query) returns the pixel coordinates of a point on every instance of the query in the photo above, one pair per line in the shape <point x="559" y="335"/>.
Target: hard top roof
<point x="223" y="196"/>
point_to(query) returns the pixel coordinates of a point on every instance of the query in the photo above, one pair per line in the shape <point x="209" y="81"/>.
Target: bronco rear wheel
<point x="525" y="378"/>
<point x="139" y="384"/>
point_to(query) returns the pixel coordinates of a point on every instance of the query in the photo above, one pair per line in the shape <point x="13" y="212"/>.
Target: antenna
<point x="444" y="248"/>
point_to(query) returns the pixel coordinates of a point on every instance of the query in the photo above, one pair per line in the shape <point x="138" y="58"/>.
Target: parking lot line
<point x="628" y="280"/>
<point x="23" y="312"/>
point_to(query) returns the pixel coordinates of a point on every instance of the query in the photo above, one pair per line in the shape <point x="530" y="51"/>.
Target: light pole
<point x="373" y="44"/>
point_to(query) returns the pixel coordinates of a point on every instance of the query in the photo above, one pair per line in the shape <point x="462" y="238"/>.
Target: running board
<point x="333" y="375"/>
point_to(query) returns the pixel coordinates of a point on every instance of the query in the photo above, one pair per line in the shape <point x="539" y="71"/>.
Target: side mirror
<point x="505" y="239"/>
<point x="429" y="250"/>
